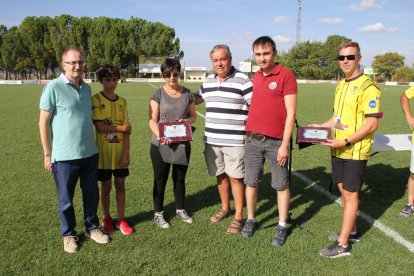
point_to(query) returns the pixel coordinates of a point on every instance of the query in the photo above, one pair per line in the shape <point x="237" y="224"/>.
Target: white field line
<point x="382" y="227"/>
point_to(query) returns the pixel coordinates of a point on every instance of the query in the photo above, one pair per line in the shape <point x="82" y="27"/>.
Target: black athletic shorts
<point x="348" y="172"/>
<point x="104" y="175"/>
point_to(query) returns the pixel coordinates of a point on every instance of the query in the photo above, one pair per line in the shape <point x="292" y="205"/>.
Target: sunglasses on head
<point x="168" y="74"/>
<point x="348" y="57"/>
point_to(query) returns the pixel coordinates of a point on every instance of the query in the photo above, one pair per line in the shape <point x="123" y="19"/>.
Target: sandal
<point x="249" y="228"/>
<point x="235" y="227"/>
<point x="219" y="216"/>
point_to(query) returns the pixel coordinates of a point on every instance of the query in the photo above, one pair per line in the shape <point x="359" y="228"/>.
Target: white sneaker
<point x="160" y="221"/>
<point x="97" y="235"/>
<point x="182" y="214"/>
<point x="70" y="244"/>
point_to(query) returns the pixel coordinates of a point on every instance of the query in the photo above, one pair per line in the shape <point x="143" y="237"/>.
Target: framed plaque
<point x="176" y="131"/>
<point x="313" y="135"/>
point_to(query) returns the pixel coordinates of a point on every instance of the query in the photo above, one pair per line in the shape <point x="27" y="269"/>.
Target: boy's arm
<point x="101" y="127"/>
<point x="125" y="152"/>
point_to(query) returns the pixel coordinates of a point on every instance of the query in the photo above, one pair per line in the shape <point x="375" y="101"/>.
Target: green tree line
<point x="34" y="48"/>
<point x="318" y="61"/>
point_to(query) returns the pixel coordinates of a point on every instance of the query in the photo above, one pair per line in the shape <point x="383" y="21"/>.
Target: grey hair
<point x="221" y="46"/>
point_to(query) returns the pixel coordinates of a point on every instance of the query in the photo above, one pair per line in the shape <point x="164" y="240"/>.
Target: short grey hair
<point x="219" y="47"/>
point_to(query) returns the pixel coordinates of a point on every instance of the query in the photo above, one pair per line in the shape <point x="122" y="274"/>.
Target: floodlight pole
<point x="298" y="22"/>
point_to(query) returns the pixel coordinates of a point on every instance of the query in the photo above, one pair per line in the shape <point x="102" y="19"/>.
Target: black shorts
<point x="348" y="172"/>
<point x="104" y="175"/>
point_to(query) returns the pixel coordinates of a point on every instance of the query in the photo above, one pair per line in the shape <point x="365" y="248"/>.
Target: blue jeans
<point x="66" y="174"/>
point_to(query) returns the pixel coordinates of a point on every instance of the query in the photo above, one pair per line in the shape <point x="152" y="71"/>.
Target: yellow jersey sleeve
<point x="410" y="92"/>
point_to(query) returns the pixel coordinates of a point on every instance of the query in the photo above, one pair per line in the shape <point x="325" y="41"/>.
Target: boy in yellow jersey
<point x="110" y="116"/>
<point x="405" y="105"/>
<point x="356" y="117"/>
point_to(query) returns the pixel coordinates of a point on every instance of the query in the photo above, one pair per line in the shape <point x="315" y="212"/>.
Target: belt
<point x="260" y="137"/>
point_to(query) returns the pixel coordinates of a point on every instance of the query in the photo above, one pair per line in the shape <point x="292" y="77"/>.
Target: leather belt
<point x="260" y="137"/>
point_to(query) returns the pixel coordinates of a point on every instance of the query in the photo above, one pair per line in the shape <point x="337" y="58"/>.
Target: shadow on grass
<point x="299" y="196"/>
<point x="383" y="185"/>
<point x="193" y="203"/>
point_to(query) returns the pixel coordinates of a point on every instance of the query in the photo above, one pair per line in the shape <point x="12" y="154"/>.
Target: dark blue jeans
<point x="66" y="174"/>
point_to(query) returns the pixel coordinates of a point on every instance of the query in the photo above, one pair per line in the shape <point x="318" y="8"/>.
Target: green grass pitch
<point x="29" y="231"/>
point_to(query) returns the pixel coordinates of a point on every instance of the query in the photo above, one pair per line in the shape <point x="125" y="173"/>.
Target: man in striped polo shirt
<point x="227" y="94"/>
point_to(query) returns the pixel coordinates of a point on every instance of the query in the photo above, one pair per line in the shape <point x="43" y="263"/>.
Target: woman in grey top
<point x="170" y="103"/>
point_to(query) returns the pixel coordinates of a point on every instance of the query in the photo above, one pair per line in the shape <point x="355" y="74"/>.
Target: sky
<point x="379" y="26"/>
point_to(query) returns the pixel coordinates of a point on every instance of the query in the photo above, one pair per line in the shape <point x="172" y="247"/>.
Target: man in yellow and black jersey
<point x="356" y="99"/>
<point x="356" y="117"/>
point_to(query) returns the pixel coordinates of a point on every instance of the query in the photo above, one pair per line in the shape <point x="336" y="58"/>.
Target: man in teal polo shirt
<point x="70" y="152"/>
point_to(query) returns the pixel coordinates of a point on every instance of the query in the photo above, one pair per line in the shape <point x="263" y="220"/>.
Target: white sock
<point x="282" y="224"/>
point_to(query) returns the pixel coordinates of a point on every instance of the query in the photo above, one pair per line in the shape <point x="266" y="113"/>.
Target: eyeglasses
<point x="349" y="57"/>
<point x="168" y="75"/>
<point x="73" y="63"/>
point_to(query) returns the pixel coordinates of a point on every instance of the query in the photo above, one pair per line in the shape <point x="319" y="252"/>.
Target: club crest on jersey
<point x="272" y="85"/>
<point x="355" y="90"/>
<point x="372" y="104"/>
<point x="120" y="107"/>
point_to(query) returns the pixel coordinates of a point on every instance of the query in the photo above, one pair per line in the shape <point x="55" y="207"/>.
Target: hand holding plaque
<point x="176" y="131"/>
<point x="313" y="135"/>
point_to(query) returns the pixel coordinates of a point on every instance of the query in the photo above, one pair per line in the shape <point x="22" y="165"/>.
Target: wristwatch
<point x="347" y="142"/>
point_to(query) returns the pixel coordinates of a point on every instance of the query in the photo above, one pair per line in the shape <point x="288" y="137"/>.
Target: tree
<point x="3" y="30"/>
<point x="404" y="74"/>
<point x="40" y="41"/>
<point x="387" y="64"/>
<point x="305" y="59"/>
<point x="329" y="52"/>
<point x="34" y="33"/>
<point x="60" y="36"/>
<point x="11" y="50"/>
<point x="157" y="39"/>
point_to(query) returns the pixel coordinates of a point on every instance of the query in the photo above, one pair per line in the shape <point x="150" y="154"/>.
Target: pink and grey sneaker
<point x="107" y="225"/>
<point x="124" y="227"/>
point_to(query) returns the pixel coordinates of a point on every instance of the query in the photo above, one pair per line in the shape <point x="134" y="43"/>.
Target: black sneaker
<point x="352" y="237"/>
<point x="336" y="250"/>
<point x="279" y="238"/>
<point x="407" y="210"/>
<point x="248" y="228"/>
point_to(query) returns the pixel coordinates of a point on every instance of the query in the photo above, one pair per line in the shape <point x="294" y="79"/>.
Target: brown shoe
<point x="219" y="216"/>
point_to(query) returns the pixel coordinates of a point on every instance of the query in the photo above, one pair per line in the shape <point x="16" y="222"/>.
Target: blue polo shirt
<point x="71" y="123"/>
